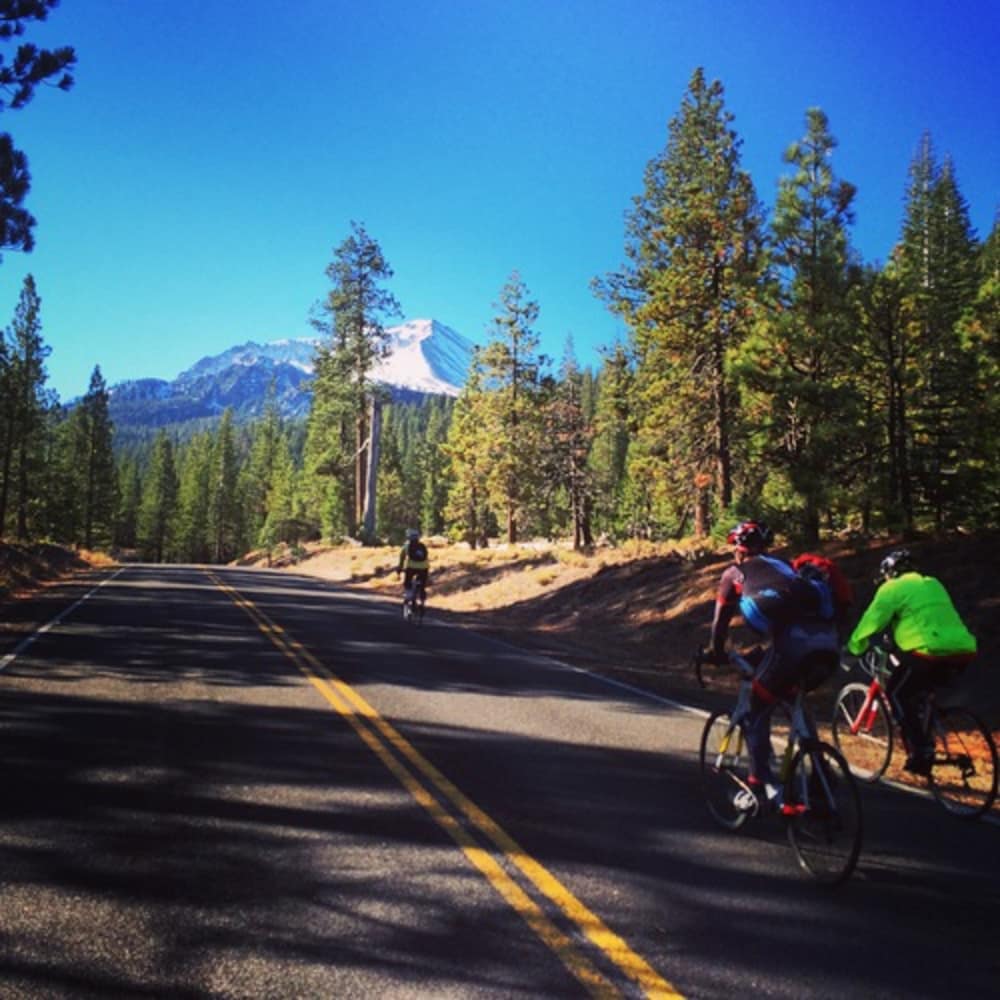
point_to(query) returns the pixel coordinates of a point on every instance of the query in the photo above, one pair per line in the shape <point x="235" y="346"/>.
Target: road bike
<point x="414" y="602"/>
<point x="963" y="771"/>
<point x="820" y="804"/>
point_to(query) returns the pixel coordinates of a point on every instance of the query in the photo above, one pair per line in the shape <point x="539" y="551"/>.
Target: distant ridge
<point x="426" y="358"/>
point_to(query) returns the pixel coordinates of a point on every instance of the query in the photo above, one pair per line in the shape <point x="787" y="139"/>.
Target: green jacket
<point x="920" y="614"/>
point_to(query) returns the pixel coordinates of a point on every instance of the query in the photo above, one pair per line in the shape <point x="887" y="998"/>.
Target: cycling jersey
<point x="409" y="556"/>
<point x="921" y="616"/>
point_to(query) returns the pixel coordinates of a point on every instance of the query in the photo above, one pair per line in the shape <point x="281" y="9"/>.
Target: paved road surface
<point x="228" y="783"/>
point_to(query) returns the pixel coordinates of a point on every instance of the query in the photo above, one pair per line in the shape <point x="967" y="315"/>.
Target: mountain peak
<point x="425" y="356"/>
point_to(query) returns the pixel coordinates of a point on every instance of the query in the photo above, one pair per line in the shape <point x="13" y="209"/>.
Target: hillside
<point x="638" y="614"/>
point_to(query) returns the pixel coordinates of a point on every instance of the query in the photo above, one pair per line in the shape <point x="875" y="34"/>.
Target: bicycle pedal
<point x="796" y="809"/>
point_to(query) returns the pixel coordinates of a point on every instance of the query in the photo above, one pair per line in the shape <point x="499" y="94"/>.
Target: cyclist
<point x="796" y="614"/>
<point x="931" y="640"/>
<point x="414" y="563"/>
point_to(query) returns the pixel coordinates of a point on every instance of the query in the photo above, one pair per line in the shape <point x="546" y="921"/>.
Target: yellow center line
<point x="334" y="690"/>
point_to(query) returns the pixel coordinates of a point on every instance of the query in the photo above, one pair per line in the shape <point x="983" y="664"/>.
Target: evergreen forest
<point x="767" y="370"/>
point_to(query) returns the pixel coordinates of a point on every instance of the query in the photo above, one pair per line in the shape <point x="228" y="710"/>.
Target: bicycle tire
<point x="823" y="809"/>
<point x="963" y="776"/>
<point x="869" y="750"/>
<point x="724" y="770"/>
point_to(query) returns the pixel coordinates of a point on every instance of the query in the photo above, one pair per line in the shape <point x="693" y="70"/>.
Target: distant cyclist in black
<point x="796" y="614"/>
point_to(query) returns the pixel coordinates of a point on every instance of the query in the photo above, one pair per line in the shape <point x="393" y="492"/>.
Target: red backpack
<point x="830" y="572"/>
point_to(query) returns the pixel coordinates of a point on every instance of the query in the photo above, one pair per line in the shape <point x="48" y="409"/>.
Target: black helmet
<point x="750" y="535"/>
<point x="895" y="563"/>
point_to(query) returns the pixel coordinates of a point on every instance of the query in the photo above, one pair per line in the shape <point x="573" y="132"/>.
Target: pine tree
<point x="939" y="268"/>
<point x="798" y="364"/>
<point x="282" y="523"/>
<point x="567" y="441"/>
<point x="433" y="465"/>
<point x="97" y="464"/>
<point x="511" y="373"/>
<point x="129" y="499"/>
<point x="468" y="509"/>
<point x="351" y="318"/>
<point x="30" y="67"/>
<point x="258" y="472"/>
<point x="223" y="511"/>
<point x="157" y="512"/>
<point x="689" y="293"/>
<point x="23" y="406"/>
<point x="193" y="540"/>
<point x="979" y="334"/>
<point x="609" y="449"/>
<point x="882" y="480"/>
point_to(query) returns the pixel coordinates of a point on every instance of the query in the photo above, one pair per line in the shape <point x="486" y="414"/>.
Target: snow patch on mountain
<point x="424" y="355"/>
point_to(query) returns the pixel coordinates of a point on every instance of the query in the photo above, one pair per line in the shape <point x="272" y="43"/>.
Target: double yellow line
<point x="395" y="752"/>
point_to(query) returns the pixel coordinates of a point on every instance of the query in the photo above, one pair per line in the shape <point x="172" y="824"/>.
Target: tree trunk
<point x="375" y="431"/>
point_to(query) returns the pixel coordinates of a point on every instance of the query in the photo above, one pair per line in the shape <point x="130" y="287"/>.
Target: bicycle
<point x="963" y="772"/>
<point x="414" y="602"/>
<point x="820" y="804"/>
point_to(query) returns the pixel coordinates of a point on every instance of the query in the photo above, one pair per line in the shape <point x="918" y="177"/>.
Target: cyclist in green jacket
<point x="931" y="641"/>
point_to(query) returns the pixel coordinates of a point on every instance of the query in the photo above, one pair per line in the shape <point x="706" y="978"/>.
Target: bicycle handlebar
<point x="738" y="662"/>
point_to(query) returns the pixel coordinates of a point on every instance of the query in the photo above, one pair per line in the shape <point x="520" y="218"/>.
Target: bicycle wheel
<point x="963" y="776"/>
<point x="867" y="748"/>
<point x="407" y="609"/>
<point x="725" y="764"/>
<point x="823" y="808"/>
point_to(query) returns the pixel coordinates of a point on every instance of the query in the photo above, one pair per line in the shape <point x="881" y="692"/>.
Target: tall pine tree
<point x="688" y="293"/>
<point x="350" y="318"/>
<point x="797" y="363"/>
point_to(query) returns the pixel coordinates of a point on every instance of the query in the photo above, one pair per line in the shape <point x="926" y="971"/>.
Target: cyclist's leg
<point x="773" y="681"/>
<point x="907" y="689"/>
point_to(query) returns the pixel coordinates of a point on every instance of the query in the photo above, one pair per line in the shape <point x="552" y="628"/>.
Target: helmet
<point x="895" y="563"/>
<point x="750" y="535"/>
<point x="412" y="533"/>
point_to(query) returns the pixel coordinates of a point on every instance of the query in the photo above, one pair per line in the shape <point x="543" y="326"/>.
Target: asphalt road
<point x="229" y="783"/>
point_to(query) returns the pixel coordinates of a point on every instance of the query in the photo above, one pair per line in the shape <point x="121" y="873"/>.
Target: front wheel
<point x="823" y="807"/>
<point x="963" y="776"/>
<point x="725" y="765"/>
<point x="862" y="731"/>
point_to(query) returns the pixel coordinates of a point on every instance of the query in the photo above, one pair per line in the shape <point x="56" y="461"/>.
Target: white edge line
<point x="609" y="681"/>
<point x="7" y="660"/>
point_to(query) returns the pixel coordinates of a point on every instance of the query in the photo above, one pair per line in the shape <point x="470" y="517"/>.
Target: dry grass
<point x="464" y="579"/>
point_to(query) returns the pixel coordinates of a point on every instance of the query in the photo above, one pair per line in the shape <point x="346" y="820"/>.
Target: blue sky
<point x="190" y="189"/>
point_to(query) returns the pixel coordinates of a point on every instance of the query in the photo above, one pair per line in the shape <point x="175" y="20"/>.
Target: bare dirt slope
<point x="639" y="615"/>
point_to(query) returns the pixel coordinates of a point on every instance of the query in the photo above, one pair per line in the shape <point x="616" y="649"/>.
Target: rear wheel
<point x="865" y="739"/>
<point x="963" y="776"/>
<point x="725" y="765"/>
<point x="823" y="808"/>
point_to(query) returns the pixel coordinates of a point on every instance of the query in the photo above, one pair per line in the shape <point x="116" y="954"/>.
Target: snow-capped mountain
<point x="426" y="357"/>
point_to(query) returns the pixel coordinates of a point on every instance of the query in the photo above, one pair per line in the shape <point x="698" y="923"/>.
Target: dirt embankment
<point x="639" y="614"/>
<point x="25" y="567"/>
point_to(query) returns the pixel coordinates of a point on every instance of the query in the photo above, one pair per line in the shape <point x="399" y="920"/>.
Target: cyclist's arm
<point x="727" y="602"/>
<point x="876" y="619"/>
